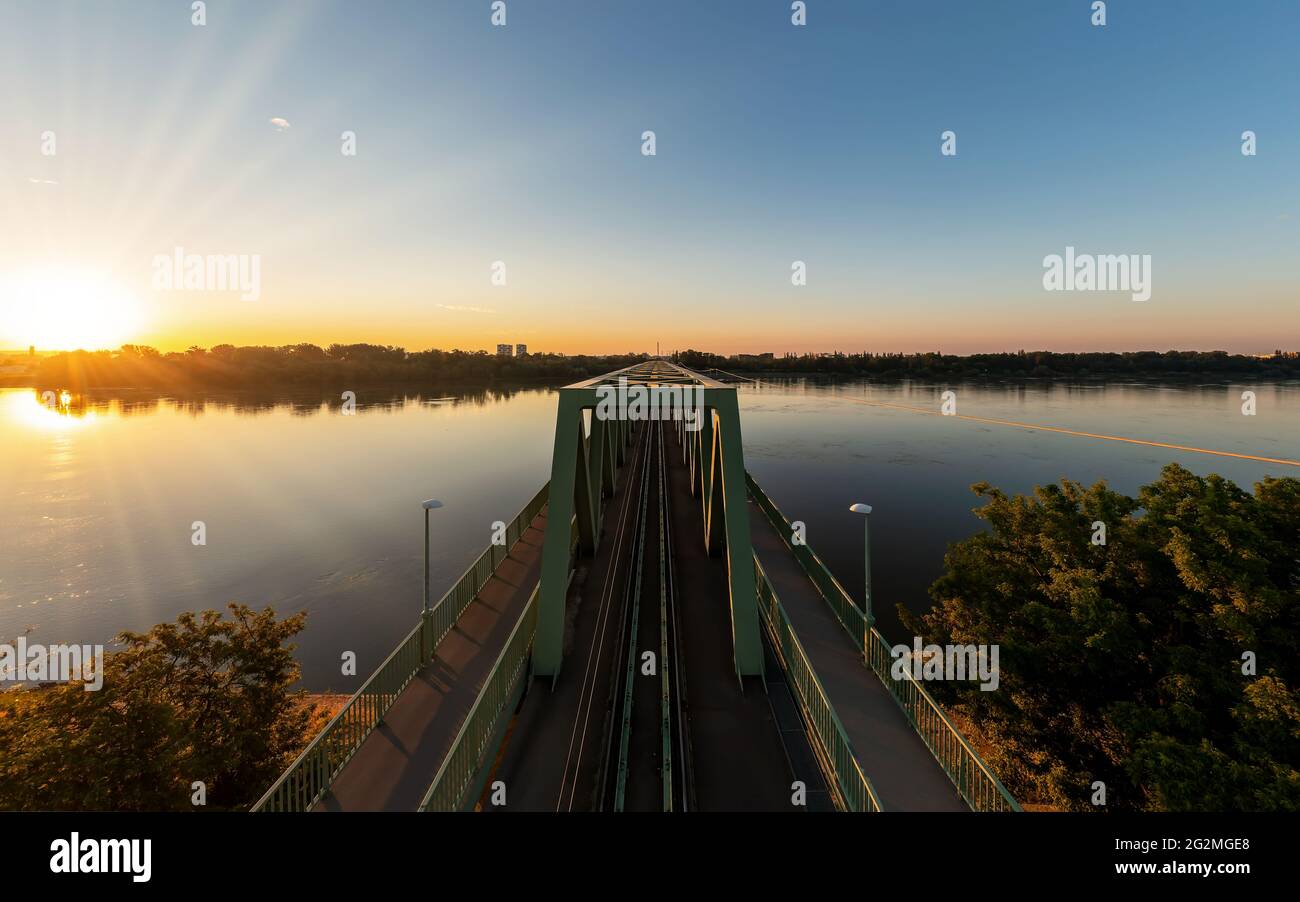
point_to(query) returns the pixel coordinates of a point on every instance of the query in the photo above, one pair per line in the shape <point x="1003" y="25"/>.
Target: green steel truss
<point x="583" y="465"/>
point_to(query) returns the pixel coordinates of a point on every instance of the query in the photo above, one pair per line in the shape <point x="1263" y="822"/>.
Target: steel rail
<point x="625" y="736"/>
<point x="665" y="684"/>
<point x="586" y="691"/>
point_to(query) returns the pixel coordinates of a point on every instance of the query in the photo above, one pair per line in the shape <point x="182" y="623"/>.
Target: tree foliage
<point x="1170" y="365"/>
<point x="307" y="366"/>
<point x="1123" y="662"/>
<point x="207" y="698"/>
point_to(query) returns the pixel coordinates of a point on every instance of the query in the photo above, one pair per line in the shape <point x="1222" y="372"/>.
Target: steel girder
<point x="583" y="470"/>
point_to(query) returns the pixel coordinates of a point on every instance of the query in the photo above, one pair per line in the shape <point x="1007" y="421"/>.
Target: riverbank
<point x="305" y="366"/>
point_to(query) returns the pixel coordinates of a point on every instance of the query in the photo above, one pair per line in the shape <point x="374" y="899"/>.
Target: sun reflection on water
<point x="51" y="413"/>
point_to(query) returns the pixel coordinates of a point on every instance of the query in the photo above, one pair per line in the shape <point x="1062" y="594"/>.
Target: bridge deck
<point x="906" y="776"/>
<point x="397" y="762"/>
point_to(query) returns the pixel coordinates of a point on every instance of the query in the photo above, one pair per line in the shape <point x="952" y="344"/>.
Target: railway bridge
<point x="649" y="637"/>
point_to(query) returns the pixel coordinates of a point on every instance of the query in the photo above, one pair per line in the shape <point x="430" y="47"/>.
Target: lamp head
<point x="431" y="504"/>
<point x="861" y="508"/>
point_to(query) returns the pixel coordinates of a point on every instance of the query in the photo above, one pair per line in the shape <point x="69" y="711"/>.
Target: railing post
<point x="426" y="635"/>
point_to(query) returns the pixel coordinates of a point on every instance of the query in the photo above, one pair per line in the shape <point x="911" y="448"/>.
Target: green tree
<point x="207" y="698"/>
<point x="1123" y="662"/>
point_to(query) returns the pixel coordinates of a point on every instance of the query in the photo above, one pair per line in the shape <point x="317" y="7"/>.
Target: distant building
<point x="505" y="350"/>
<point x="521" y="350"/>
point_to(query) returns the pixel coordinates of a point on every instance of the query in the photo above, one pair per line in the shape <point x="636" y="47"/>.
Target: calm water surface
<point x="307" y="508"/>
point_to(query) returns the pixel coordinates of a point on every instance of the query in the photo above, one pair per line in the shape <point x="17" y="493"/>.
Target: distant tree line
<point x="308" y="365"/>
<point x="1020" y="364"/>
<point x="16" y="370"/>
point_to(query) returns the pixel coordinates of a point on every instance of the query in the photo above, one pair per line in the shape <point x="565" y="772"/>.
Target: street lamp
<point x="426" y="621"/>
<point x="865" y="510"/>
<point x="428" y="506"/>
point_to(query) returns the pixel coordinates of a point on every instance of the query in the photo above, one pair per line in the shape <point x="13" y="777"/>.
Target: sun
<point x="62" y="309"/>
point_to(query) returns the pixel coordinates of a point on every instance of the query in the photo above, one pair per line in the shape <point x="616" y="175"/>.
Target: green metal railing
<point x="309" y="777"/>
<point x="311" y="774"/>
<point x="483" y="726"/>
<point x="479" y="734"/>
<point x="975" y="781"/>
<point x="852" y="789"/>
<point x="461" y="595"/>
<point x="978" y="786"/>
<point x="848" y="614"/>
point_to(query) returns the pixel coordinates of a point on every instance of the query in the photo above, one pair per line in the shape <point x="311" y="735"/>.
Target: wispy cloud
<point x="280" y="124"/>
<point x="35" y="181"/>
<point x="460" y="309"/>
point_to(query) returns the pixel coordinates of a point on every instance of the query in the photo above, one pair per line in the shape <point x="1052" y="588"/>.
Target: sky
<point x="774" y="143"/>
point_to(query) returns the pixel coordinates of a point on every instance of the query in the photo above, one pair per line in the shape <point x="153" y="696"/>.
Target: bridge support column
<point x="571" y="494"/>
<point x="746" y="641"/>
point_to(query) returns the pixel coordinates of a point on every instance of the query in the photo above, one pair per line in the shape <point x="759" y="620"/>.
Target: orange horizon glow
<point x="80" y="309"/>
<point x="612" y="344"/>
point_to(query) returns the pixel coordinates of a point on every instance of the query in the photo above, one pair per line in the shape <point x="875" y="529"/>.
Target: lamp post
<point x="865" y="510"/>
<point x="428" y="506"/>
<point x="426" y="615"/>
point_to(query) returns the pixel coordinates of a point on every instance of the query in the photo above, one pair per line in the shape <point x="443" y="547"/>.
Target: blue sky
<point x="775" y="143"/>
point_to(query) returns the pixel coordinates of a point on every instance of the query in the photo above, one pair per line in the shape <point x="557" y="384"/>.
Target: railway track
<point x="647" y="762"/>
<point x="649" y="716"/>
<point x="677" y="781"/>
<point x="587" y="723"/>
<point x="629" y="744"/>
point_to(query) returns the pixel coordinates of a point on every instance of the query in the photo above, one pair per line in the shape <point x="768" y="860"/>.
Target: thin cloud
<point x="459" y="309"/>
<point x="281" y="124"/>
<point x="41" y="181"/>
